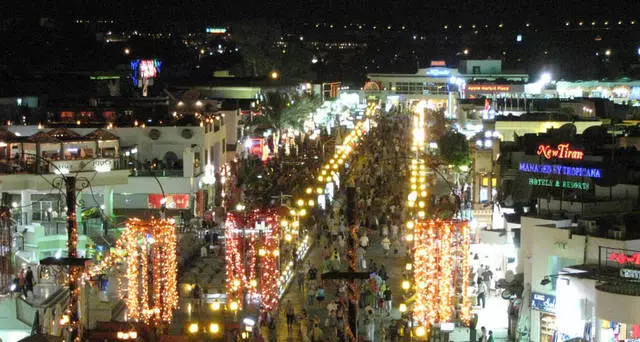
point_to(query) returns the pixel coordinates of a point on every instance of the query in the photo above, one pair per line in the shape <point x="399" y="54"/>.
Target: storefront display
<point x="614" y="331"/>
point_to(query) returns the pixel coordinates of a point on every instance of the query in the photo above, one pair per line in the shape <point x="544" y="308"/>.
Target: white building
<point x="572" y="287"/>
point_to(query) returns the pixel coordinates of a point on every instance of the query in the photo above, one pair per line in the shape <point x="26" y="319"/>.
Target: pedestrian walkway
<point x="394" y="265"/>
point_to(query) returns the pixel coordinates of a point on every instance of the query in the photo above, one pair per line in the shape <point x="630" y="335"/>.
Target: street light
<point x="406" y="285"/>
<point x="215" y="306"/>
<point x="421" y="331"/>
<point x="193" y="328"/>
<point x="274" y="75"/>
<point x="402" y="308"/>
<point x="214" y="328"/>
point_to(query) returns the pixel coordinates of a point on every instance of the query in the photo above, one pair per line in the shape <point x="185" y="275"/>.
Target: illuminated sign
<point x="438" y="72"/>
<point x="624" y="259"/>
<point x="145" y="69"/>
<point x="438" y="63"/>
<point x="563" y="151"/>
<point x="171" y="201"/>
<point x="216" y="30"/>
<point x="488" y="88"/>
<point x="543" y="302"/>
<point x="629" y="273"/>
<point x="561" y="170"/>
<point x="558" y="184"/>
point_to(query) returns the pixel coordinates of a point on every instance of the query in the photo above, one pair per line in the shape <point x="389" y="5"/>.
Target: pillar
<point x="79" y="209"/>
<point x="26" y="207"/>
<point x="108" y="201"/>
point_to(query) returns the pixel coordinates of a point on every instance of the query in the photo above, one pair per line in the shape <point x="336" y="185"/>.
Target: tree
<point x="454" y="149"/>
<point x="256" y="42"/>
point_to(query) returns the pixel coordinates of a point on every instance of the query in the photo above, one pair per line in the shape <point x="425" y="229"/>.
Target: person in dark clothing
<point x="29" y="280"/>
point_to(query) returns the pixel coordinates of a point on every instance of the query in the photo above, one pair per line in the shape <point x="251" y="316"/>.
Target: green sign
<point x="558" y="184"/>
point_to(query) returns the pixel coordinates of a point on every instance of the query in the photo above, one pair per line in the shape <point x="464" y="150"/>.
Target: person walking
<point x="483" y="335"/>
<point x="29" y="280"/>
<point x="21" y="286"/>
<point x="481" y="293"/>
<point x="290" y="315"/>
<point x="490" y="337"/>
<point x="386" y="245"/>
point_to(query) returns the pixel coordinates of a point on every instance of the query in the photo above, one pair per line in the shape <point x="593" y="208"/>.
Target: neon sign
<point x="216" y="30"/>
<point x="561" y="170"/>
<point x="563" y="151"/>
<point x="558" y="184"/>
<point x="438" y="72"/>
<point x="624" y="259"/>
<point x="488" y="87"/>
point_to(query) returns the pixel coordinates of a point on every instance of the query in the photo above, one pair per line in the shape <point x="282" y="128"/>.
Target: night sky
<point x="420" y="13"/>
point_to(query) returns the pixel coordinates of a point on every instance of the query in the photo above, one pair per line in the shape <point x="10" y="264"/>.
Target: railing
<point x="157" y="173"/>
<point x="618" y="258"/>
<point x="31" y="164"/>
<point x="25" y="312"/>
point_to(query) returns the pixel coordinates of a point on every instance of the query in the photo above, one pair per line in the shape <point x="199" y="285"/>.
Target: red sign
<point x="257" y="146"/>
<point x="491" y="88"/>
<point x="563" y="151"/>
<point x="438" y="64"/>
<point x="624" y="259"/>
<point x="171" y="201"/>
<point x="148" y="68"/>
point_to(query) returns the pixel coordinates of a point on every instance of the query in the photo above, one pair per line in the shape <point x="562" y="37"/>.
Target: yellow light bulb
<point x="421" y="331"/>
<point x="409" y="237"/>
<point x="320" y="178"/>
<point x="288" y="237"/>
<point x="300" y="202"/>
<point x="319" y="191"/>
<point x="402" y="307"/>
<point x="214" y="328"/>
<point x="253" y="283"/>
<point x="408" y="267"/>
<point x="262" y="252"/>
<point x="311" y="203"/>
<point x="285" y="223"/>
<point x="410" y="225"/>
<point x="233" y="306"/>
<point x="215" y="306"/>
<point x="193" y="328"/>
<point x="308" y="191"/>
<point x="303" y="212"/>
<point x="406" y="285"/>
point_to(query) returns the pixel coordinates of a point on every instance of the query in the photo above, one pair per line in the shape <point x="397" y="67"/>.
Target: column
<point x="26" y="207"/>
<point x="108" y="200"/>
<point x="79" y="212"/>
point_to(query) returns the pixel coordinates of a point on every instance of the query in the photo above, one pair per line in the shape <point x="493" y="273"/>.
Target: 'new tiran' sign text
<point x="563" y="151"/>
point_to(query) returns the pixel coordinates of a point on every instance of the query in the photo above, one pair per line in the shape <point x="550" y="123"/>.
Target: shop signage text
<point x="438" y="72"/>
<point x="543" y="302"/>
<point x="561" y="170"/>
<point x="488" y="87"/>
<point x="558" y="184"/>
<point x="563" y="151"/>
<point x="624" y="259"/>
<point x="629" y="273"/>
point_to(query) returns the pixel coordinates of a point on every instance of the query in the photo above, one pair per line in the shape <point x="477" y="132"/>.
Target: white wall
<point x="170" y="140"/>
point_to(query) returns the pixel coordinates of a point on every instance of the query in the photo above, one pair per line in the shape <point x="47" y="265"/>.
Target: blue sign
<point x="543" y="302"/>
<point x="438" y="72"/>
<point x="561" y="170"/>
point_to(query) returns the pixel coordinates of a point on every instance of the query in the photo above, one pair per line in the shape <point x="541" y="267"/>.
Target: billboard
<point x="171" y="201"/>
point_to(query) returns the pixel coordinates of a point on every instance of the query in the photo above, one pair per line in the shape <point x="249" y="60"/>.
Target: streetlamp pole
<point x="72" y="248"/>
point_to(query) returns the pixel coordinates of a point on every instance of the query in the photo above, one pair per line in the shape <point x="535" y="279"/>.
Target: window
<point x="66" y="116"/>
<point x="475" y="69"/>
<point x="109" y="115"/>
<point x="494" y="182"/>
<point x="485" y="181"/>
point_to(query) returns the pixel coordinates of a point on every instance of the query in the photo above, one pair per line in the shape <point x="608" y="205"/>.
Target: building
<point x="579" y="278"/>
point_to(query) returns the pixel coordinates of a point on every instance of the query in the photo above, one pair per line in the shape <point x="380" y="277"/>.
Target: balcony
<point x="30" y="165"/>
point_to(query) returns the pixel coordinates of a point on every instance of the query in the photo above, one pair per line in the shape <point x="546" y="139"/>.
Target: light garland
<point x="440" y="261"/>
<point x="139" y="241"/>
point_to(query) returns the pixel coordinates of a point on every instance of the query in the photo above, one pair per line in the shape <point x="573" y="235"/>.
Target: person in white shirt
<point x="364" y="241"/>
<point x="386" y="245"/>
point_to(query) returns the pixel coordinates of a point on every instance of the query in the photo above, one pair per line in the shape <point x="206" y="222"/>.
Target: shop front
<point x="545" y="307"/>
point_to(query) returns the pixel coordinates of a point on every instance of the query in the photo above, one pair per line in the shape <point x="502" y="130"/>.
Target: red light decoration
<point x="250" y="251"/>
<point x="148" y="69"/>
<point x="563" y="151"/>
<point x="441" y="272"/>
<point x="624" y="259"/>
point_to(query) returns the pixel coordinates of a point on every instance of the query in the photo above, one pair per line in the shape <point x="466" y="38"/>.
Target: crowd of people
<point x="378" y="171"/>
